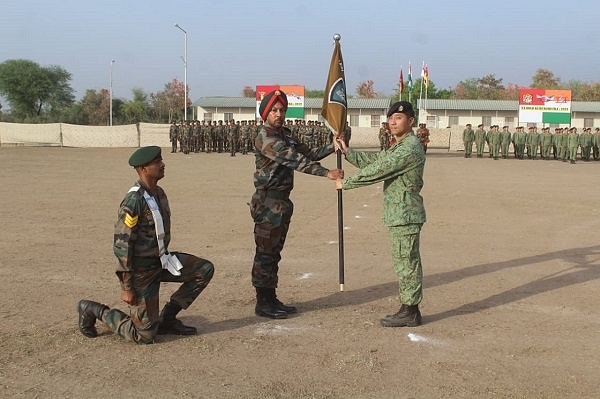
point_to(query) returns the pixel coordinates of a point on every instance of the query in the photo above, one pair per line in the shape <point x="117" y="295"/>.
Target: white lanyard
<point x="168" y="261"/>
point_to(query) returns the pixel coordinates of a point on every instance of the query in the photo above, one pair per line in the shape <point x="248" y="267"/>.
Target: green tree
<point x="545" y="79"/>
<point x="33" y="91"/>
<point x="314" y="93"/>
<point x="95" y="107"/>
<point x="136" y="110"/>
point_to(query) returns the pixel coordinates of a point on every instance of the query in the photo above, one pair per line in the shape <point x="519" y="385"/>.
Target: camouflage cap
<point x="144" y="155"/>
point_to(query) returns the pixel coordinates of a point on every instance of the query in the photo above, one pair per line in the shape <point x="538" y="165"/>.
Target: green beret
<point x="144" y="155"/>
<point x="269" y="100"/>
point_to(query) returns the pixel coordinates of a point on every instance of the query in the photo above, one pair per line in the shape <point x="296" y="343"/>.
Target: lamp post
<point x="110" y="95"/>
<point x="184" y="72"/>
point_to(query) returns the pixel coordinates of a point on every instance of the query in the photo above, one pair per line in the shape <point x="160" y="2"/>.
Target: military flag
<point x="409" y="78"/>
<point x="334" y="111"/>
<point x="401" y="82"/>
<point x="334" y="102"/>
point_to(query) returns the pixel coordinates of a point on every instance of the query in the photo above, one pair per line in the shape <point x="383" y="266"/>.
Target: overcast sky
<point x="231" y="44"/>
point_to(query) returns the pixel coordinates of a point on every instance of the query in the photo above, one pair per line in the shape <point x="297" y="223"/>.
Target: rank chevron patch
<point x="130" y="221"/>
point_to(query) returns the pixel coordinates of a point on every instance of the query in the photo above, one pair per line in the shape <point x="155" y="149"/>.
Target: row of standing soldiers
<point x="201" y="136"/>
<point x="563" y="145"/>
<point x="313" y="133"/>
<point x="232" y="137"/>
<point x="386" y="139"/>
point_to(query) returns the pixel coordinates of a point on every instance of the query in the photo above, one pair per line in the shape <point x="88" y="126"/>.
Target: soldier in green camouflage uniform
<point x="516" y="137"/>
<point x="596" y="144"/>
<point x="173" y="136"/>
<point x="505" y="137"/>
<point x="564" y="145"/>
<point x="480" y="139"/>
<point x="533" y="142"/>
<point x="573" y="144"/>
<point x="401" y="170"/>
<point x="142" y="229"/>
<point x="278" y="155"/>
<point x="545" y="143"/>
<point x="468" y="137"/>
<point x="585" y="141"/>
<point x="233" y="137"/>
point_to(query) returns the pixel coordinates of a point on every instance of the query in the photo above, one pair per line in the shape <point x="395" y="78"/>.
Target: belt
<point x="273" y="194"/>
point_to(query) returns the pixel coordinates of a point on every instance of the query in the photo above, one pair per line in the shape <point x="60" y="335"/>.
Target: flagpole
<point x="340" y="227"/>
<point x="334" y="112"/>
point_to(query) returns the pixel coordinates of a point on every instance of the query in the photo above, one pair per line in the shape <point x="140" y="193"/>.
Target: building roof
<point x="315" y="103"/>
<point x="495" y="105"/>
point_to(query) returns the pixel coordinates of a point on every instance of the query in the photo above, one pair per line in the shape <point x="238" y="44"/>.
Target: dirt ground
<point x="511" y="259"/>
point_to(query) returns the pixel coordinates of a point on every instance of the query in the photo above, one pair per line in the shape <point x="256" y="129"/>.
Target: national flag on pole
<point x="409" y="78"/>
<point x="426" y="76"/>
<point x="401" y="82"/>
<point x="334" y="101"/>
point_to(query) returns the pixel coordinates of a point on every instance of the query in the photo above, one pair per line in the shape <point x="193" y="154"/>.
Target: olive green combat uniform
<point x="505" y="137"/>
<point x="401" y="169"/>
<point x="468" y="138"/>
<point x="480" y="139"/>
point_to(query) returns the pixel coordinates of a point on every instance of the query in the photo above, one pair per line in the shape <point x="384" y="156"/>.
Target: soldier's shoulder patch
<point x="129" y="220"/>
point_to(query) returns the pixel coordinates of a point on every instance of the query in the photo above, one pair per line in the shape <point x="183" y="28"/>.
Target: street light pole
<point x="184" y="72"/>
<point x="111" y="111"/>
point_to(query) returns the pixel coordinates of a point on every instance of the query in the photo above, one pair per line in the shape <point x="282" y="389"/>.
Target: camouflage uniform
<point x="545" y="143"/>
<point x="573" y="144"/>
<point x="401" y="169"/>
<point x="480" y="139"/>
<point x="278" y="154"/>
<point x="585" y="140"/>
<point x="233" y="137"/>
<point x="596" y="144"/>
<point x="139" y="267"/>
<point x="173" y="132"/>
<point x="468" y="137"/>
<point x="505" y="137"/>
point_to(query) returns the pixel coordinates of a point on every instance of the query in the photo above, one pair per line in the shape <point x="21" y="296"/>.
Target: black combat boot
<point x="169" y="324"/>
<point x="407" y="316"/>
<point x="265" y="306"/>
<point x="278" y="304"/>
<point x="88" y="313"/>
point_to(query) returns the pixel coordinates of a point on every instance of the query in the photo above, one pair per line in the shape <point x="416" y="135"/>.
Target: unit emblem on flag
<point x="337" y="94"/>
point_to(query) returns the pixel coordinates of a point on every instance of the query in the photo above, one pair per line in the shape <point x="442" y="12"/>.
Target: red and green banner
<point x="295" y="97"/>
<point x="545" y="106"/>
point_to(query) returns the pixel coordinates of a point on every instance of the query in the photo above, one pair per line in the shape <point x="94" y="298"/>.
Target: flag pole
<point x="340" y="228"/>
<point x="334" y="112"/>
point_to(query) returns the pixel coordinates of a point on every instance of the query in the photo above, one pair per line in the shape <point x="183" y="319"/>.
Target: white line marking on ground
<point x="304" y="276"/>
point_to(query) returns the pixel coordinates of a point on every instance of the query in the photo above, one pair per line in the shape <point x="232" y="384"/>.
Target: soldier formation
<point x="562" y="145"/>
<point x="234" y="137"/>
<point x="386" y="139"/>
